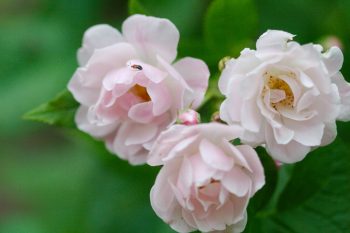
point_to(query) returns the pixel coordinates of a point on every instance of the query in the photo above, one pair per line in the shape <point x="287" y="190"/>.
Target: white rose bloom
<point x="285" y="95"/>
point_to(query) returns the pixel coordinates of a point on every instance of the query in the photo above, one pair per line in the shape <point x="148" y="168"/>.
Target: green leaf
<point x="319" y="192"/>
<point x="60" y="111"/>
<point x="316" y="197"/>
<point x="135" y="7"/>
<point x="310" y="183"/>
<point x="229" y="26"/>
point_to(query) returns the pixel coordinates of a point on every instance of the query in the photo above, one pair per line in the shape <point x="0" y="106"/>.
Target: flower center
<point x="212" y="181"/>
<point x="277" y="86"/>
<point x="141" y="92"/>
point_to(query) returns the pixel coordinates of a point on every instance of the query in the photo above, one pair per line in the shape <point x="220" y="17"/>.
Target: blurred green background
<point x="59" y="180"/>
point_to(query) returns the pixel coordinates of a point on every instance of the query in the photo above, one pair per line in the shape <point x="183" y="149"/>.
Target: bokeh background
<point x="59" y="180"/>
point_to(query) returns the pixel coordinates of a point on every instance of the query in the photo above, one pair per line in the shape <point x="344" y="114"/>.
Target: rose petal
<point x="201" y="171"/>
<point x="306" y="133"/>
<point x="272" y="42"/>
<point x="152" y="36"/>
<point x="140" y="133"/>
<point x="306" y="80"/>
<point x="289" y="153"/>
<point x="142" y="112"/>
<point x="307" y="99"/>
<point x="219" y="131"/>
<point x="233" y="151"/>
<point x="282" y="134"/>
<point x="165" y="142"/>
<point x="160" y="97"/>
<point x="214" y="157"/>
<point x="250" y="116"/>
<point x="344" y="92"/>
<point x="97" y="37"/>
<point x="226" y="76"/>
<point x="187" y="146"/>
<point x="162" y="196"/>
<point x="86" y="82"/>
<point x="333" y="60"/>
<point x="329" y="133"/>
<point x="185" y="177"/>
<point x="93" y="128"/>
<point x="277" y="95"/>
<point x="320" y="79"/>
<point x="119" y="81"/>
<point x="196" y="74"/>
<point x="257" y="169"/>
<point x="234" y="101"/>
<point x="237" y="181"/>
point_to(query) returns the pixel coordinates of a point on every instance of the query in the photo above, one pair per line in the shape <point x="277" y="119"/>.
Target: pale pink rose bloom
<point x="128" y="86"/>
<point x="285" y="95"/>
<point x="205" y="182"/>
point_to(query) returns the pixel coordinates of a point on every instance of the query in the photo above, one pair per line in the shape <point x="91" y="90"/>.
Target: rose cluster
<point x="135" y="97"/>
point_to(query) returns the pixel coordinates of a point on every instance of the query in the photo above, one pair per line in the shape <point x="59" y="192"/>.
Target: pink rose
<point x="205" y="182"/>
<point x="285" y="95"/>
<point x="127" y="86"/>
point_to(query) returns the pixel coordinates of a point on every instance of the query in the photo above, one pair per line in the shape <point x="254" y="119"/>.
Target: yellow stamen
<point x="141" y="92"/>
<point x="273" y="82"/>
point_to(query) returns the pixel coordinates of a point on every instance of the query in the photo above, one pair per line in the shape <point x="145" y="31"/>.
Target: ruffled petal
<point x="237" y="181"/>
<point x="333" y="59"/>
<point x="253" y="160"/>
<point x="86" y="83"/>
<point x="272" y="42"/>
<point x="162" y="196"/>
<point x="152" y="36"/>
<point x="196" y="74"/>
<point x="226" y="76"/>
<point x="251" y="116"/>
<point x="160" y="97"/>
<point x="142" y="112"/>
<point x="140" y="133"/>
<point x="201" y="171"/>
<point x="214" y="157"/>
<point x="97" y="37"/>
<point x="92" y="127"/>
<point x="307" y="133"/>
<point x="329" y="134"/>
<point x="344" y="92"/>
<point x="289" y="153"/>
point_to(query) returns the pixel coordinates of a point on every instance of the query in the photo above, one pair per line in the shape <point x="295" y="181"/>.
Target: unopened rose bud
<point x="222" y="63"/>
<point x="189" y="117"/>
<point x="216" y="118"/>
<point x="331" y="41"/>
<point x="278" y="164"/>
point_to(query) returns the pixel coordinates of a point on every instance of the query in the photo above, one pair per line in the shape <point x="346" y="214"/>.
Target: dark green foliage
<point x="135" y="7"/>
<point x="315" y="199"/>
<point x="230" y="25"/>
